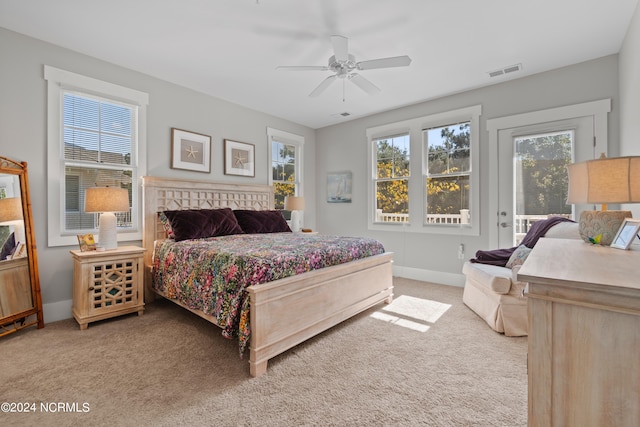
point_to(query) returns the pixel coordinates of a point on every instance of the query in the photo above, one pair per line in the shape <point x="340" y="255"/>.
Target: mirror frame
<point x="20" y="320"/>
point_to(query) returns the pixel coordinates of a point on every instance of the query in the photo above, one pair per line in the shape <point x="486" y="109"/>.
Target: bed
<point x="281" y="313"/>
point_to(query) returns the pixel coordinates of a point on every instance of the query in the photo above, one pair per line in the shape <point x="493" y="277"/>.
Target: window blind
<point x="99" y="146"/>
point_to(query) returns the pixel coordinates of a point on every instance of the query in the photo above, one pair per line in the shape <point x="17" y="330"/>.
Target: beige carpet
<point x="169" y="367"/>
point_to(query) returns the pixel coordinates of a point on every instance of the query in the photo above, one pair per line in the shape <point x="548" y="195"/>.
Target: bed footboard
<point x="289" y="311"/>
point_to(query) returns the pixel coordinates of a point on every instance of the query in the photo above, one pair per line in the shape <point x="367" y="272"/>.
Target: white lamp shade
<point x="10" y="209"/>
<point x="106" y="199"/>
<point x="605" y="180"/>
<point x="294" y="203"/>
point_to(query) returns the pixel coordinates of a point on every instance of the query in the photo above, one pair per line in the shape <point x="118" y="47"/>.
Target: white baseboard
<point x="450" y="279"/>
<point x="55" y="311"/>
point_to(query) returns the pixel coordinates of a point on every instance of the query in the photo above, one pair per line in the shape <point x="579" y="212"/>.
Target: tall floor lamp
<point x="106" y="201"/>
<point x="603" y="181"/>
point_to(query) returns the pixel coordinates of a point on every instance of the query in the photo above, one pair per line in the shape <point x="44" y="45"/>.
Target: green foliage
<point x="283" y="173"/>
<point x="542" y="167"/>
<point x="392" y="192"/>
<point x="448" y="168"/>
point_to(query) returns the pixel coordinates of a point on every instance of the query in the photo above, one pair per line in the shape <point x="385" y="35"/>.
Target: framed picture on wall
<point x="190" y="151"/>
<point x="339" y="187"/>
<point x="239" y="158"/>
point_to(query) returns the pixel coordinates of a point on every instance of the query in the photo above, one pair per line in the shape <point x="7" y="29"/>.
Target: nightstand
<point x="107" y="283"/>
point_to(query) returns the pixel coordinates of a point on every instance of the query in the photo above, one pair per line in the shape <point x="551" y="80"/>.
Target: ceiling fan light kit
<point x="344" y="65"/>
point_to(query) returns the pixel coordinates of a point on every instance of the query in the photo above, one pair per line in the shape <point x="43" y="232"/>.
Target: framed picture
<point x="626" y="233"/>
<point x="239" y="158"/>
<point x="190" y="151"/>
<point x="20" y="251"/>
<point x="339" y="187"/>
<point x="86" y="242"/>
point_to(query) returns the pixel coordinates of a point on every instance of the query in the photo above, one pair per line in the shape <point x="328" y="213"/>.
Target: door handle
<point x="504" y="225"/>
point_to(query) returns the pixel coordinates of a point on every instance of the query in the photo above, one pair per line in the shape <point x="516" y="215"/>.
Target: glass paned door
<point x="541" y="180"/>
<point x="532" y="175"/>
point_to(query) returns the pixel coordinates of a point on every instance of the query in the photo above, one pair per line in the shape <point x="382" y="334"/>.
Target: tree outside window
<point x="541" y="165"/>
<point x="392" y="178"/>
<point x="447" y="178"/>
<point x="283" y="167"/>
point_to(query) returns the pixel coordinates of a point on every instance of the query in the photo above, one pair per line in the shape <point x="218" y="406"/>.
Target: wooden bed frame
<point x="285" y="312"/>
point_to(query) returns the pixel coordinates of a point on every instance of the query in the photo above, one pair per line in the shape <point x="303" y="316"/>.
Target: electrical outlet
<point x="461" y="251"/>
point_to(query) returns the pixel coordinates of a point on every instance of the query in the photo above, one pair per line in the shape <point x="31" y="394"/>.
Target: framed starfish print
<point x="190" y="151"/>
<point x="239" y="158"/>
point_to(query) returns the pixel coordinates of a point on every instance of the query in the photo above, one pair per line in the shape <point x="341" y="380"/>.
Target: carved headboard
<point x="162" y="194"/>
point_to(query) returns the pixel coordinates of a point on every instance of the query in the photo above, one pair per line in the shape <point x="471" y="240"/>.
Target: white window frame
<point x="417" y="190"/>
<point x="57" y="81"/>
<point x="291" y="139"/>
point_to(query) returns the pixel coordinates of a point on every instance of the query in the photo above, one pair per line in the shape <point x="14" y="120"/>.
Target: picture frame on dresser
<point x="626" y="234"/>
<point x="190" y="151"/>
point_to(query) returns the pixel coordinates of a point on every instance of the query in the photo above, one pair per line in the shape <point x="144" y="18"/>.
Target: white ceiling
<point x="230" y="48"/>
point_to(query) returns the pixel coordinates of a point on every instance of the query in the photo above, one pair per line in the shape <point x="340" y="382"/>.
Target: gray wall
<point x="630" y="95"/>
<point x="23" y="127"/>
<point x="433" y="256"/>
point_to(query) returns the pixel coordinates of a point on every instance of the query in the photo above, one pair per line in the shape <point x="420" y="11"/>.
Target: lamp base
<point x="296" y="223"/>
<point x="601" y="226"/>
<point x="107" y="232"/>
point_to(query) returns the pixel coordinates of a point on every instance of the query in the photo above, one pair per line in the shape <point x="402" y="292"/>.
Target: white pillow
<point x="518" y="256"/>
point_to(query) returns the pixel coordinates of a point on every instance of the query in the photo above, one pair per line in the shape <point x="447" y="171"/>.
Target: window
<point x="541" y="182"/>
<point x="441" y="196"/>
<point x="96" y="138"/>
<point x="391" y="179"/>
<point x="285" y="154"/>
<point x="447" y="173"/>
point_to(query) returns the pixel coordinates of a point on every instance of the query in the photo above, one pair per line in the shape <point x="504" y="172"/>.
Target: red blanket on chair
<point x="500" y="257"/>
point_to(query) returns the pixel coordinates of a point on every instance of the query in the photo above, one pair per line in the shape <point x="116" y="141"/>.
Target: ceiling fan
<point x="344" y="65"/>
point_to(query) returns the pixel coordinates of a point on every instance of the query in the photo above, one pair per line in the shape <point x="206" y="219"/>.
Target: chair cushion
<point x="496" y="278"/>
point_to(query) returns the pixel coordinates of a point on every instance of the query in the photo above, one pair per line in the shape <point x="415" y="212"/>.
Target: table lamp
<point x="294" y="204"/>
<point x="11" y="214"/>
<point x="603" y="181"/>
<point x="106" y="201"/>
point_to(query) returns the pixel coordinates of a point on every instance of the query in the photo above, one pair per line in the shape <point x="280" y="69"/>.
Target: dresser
<point x="584" y="334"/>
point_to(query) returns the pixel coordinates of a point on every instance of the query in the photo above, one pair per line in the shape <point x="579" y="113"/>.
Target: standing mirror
<point x="20" y="300"/>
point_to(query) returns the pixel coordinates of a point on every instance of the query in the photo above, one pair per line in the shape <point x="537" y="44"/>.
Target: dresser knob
<point x="91" y="288"/>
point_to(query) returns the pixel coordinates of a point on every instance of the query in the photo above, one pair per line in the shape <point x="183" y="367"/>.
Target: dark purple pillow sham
<point x="201" y="223"/>
<point x="253" y="222"/>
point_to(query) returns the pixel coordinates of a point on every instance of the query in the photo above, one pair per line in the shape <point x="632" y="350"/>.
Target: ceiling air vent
<point x="505" y="70"/>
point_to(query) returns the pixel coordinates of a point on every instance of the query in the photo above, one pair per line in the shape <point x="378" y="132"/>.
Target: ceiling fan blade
<point x="396" y="61"/>
<point x="364" y="84"/>
<point x="340" y="47"/>
<point x="303" y="67"/>
<point x="322" y="86"/>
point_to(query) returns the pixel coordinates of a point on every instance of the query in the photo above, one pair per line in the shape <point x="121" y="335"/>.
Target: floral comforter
<point x="213" y="274"/>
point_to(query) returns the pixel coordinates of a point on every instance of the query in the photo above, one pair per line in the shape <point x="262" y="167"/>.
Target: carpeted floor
<point x="426" y="360"/>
